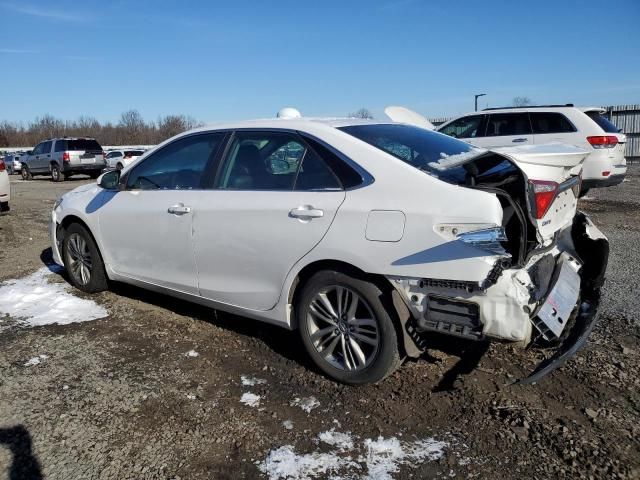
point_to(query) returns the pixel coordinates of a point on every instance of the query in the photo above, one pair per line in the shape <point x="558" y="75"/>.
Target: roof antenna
<point x="288" y="112"/>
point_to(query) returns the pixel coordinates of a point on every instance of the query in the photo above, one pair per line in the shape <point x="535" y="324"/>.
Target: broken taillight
<point x="544" y="192"/>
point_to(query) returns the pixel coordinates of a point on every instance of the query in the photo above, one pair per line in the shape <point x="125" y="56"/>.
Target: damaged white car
<point x="364" y="236"/>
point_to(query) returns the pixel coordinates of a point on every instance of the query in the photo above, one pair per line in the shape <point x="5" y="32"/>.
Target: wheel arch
<point x="398" y="311"/>
<point x="64" y="225"/>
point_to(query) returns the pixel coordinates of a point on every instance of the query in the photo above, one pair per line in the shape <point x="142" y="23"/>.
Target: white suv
<point x="583" y="127"/>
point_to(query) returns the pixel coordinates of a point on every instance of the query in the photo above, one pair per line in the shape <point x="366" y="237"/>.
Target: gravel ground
<point x="165" y="389"/>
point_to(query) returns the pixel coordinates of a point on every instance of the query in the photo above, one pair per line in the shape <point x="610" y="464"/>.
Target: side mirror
<point x="110" y="180"/>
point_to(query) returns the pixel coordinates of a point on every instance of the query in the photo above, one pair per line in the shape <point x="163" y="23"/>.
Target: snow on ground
<point x="191" y="353"/>
<point x="372" y="459"/>
<point x="288" y="424"/>
<point x="35" y="360"/>
<point x="305" y="403"/>
<point x="35" y="302"/>
<point x="250" y="399"/>
<point x="252" y="381"/>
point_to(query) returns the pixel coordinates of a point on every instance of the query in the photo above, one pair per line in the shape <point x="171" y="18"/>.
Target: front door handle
<point x="306" y="212"/>
<point x="179" y="209"/>
<point x="519" y="140"/>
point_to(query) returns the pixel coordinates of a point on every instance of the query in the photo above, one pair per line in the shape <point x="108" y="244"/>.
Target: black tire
<point x="26" y="173"/>
<point x="119" y="166"/>
<point x="381" y="362"/>
<point x="56" y="174"/>
<point x="583" y="192"/>
<point x="97" y="281"/>
<point x="4" y="207"/>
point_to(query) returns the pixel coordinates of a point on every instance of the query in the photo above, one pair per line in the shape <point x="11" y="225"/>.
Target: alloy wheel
<point x="343" y="328"/>
<point x="80" y="263"/>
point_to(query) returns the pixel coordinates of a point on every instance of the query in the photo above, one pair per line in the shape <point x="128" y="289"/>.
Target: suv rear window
<point x="82" y="144"/>
<point x="603" y="122"/>
<point x="133" y="153"/>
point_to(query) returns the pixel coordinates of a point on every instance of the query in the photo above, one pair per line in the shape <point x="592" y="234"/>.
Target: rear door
<point x="549" y="127"/>
<point x="273" y="201"/>
<point x="506" y="130"/>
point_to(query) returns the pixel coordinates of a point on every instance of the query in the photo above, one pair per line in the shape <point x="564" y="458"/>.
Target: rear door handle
<point x="306" y="212"/>
<point x="179" y="209"/>
<point x="519" y="140"/>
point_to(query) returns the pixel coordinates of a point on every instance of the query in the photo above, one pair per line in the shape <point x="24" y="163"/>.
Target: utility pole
<point x="478" y="95"/>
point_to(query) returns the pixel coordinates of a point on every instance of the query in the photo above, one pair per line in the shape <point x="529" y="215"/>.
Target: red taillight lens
<point x="65" y="156"/>
<point x="3" y="167"/>
<point x="544" y="193"/>
<point x="604" y="141"/>
<point x="606" y="173"/>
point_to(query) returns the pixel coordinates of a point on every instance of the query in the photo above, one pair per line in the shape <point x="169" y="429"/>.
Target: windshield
<point x="435" y="153"/>
<point x="603" y="122"/>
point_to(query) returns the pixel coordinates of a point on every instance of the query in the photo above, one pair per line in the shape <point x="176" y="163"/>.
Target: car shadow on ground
<point x="24" y="464"/>
<point x="285" y="342"/>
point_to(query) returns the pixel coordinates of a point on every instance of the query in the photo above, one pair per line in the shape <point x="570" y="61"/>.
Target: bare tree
<point x="361" y="113"/>
<point x="521" y="101"/>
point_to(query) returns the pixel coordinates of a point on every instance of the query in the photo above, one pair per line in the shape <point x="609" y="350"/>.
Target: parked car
<point x="122" y="158"/>
<point x="366" y="237"/>
<point x="5" y="188"/>
<point x="12" y="163"/>
<point x="583" y="127"/>
<point x="63" y="157"/>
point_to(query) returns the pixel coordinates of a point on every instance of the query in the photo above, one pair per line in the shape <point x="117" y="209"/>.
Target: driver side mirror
<point x="110" y="180"/>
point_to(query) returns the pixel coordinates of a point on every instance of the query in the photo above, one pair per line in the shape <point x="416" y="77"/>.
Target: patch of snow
<point x="305" y="403"/>
<point x="252" y="381"/>
<point x="285" y="463"/>
<point x="344" y="441"/>
<point x="35" y="360"/>
<point x="374" y="459"/>
<point x="450" y="161"/>
<point x="288" y="424"/>
<point x="250" y="399"/>
<point x="587" y="198"/>
<point x="36" y="302"/>
<point x="191" y="353"/>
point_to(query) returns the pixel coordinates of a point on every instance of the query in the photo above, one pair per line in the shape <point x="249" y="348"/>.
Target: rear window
<point x="603" y="122"/>
<point x="426" y="150"/>
<point x="82" y="144"/>
<point x="133" y="153"/>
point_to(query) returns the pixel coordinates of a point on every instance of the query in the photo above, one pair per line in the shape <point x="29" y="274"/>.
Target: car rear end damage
<point x="549" y="261"/>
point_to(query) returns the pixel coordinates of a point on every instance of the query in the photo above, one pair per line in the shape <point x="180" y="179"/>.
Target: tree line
<point x="131" y="129"/>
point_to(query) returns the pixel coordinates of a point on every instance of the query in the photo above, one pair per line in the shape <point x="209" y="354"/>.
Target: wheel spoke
<point x="352" y="307"/>
<point x="319" y="334"/>
<point x="363" y="338"/>
<point x="332" y="346"/>
<point x="358" y="353"/>
<point x="345" y="355"/>
<point x="318" y="309"/>
<point x="326" y="303"/>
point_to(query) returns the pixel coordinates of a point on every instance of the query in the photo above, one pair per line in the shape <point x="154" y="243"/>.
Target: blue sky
<point x="246" y="59"/>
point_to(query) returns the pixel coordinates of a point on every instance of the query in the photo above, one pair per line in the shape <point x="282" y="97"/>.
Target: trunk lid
<point x="552" y="173"/>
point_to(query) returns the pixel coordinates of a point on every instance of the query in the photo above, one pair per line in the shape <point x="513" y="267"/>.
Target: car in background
<point x="584" y="127"/>
<point x="63" y="157"/>
<point x="12" y="163"/>
<point x="367" y="237"/>
<point x="5" y="188"/>
<point x="122" y="158"/>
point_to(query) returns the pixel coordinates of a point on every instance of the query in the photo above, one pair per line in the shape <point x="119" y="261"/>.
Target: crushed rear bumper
<point x="592" y="249"/>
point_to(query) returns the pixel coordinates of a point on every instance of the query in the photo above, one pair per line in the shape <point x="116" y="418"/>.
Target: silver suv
<point x="63" y="157"/>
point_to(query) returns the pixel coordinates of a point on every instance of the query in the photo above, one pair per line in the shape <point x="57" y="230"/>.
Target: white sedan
<point x="5" y="188"/>
<point x="366" y="237"/>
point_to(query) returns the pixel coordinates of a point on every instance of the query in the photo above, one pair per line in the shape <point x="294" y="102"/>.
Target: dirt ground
<point x="154" y="389"/>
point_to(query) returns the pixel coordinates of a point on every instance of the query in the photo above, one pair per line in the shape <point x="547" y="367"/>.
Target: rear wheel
<point x="56" y="175"/>
<point x="25" y="173"/>
<point x="4" y="207"/>
<point x="82" y="260"/>
<point x="346" y="328"/>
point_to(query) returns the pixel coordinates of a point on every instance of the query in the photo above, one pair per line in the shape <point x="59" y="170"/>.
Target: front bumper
<point x="53" y="237"/>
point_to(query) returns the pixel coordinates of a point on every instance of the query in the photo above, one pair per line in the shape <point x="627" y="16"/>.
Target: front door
<point x="147" y="228"/>
<point x="274" y="199"/>
<point x="506" y="130"/>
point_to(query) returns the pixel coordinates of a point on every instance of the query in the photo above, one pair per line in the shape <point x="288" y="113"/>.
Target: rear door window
<point x="61" y="145"/>
<point x="465" y="127"/>
<point x="603" y="122"/>
<point x="508" y="124"/>
<point x="550" y="122"/>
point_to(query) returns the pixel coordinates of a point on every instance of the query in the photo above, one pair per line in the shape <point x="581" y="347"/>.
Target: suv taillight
<point x="544" y="192"/>
<point x="3" y="167"/>
<point x="65" y="156"/>
<point x="603" y="141"/>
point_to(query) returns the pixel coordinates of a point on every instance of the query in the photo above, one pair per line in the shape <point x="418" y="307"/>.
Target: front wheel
<point x="25" y="173"/>
<point x="82" y="260"/>
<point x="346" y="328"/>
